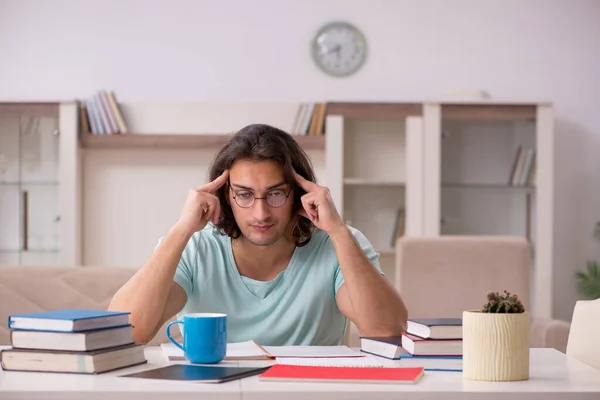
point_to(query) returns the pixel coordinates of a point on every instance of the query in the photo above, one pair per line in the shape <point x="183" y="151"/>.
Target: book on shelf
<point x="310" y="119"/>
<point x="399" y="226"/>
<point x="523" y="168"/>
<point x="69" y="320"/>
<point x="100" y="114"/>
<point x="435" y="328"/>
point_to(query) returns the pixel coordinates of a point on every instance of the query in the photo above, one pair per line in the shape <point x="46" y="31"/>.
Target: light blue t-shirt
<point x="298" y="307"/>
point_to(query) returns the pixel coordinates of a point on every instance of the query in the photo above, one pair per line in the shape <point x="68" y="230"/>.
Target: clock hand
<point x="334" y="49"/>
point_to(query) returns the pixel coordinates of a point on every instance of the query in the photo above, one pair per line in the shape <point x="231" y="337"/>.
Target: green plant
<point x="504" y="303"/>
<point x="589" y="283"/>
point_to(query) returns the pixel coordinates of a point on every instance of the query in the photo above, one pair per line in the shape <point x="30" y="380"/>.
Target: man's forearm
<point x="377" y="307"/>
<point x="146" y="293"/>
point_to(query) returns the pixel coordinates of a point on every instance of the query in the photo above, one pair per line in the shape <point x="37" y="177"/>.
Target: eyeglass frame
<point x="260" y="198"/>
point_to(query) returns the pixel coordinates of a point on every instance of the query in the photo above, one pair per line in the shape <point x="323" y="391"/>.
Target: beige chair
<point x="33" y="289"/>
<point x="585" y="332"/>
<point x="443" y="276"/>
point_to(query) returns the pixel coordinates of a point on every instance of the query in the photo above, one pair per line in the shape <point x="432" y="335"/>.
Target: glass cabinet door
<point x="29" y="220"/>
<point x="487" y="177"/>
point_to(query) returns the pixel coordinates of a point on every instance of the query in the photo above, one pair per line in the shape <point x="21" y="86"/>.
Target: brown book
<point x="85" y="122"/>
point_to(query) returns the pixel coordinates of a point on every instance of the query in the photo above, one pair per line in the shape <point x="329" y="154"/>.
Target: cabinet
<point x="470" y="157"/>
<point x="38" y="169"/>
<point x="373" y="157"/>
<point x="449" y="167"/>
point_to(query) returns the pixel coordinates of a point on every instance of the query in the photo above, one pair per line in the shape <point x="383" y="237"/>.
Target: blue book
<point x="74" y="320"/>
<point x="432" y="363"/>
<point x="435" y="328"/>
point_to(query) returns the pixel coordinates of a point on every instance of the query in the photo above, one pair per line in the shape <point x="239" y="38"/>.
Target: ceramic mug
<point x="204" y="337"/>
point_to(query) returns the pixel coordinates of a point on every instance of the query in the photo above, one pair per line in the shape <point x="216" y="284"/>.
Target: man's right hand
<point x="202" y="205"/>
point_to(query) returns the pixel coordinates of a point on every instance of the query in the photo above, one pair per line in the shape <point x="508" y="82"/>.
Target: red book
<point x="282" y="372"/>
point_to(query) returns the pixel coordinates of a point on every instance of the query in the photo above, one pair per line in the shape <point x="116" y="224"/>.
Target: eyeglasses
<point x="275" y="198"/>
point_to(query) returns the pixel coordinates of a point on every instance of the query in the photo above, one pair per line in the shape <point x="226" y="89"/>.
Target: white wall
<point x="207" y="50"/>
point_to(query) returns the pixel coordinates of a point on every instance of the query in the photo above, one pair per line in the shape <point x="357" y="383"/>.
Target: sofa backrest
<point x="443" y="276"/>
<point x="42" y="288"/>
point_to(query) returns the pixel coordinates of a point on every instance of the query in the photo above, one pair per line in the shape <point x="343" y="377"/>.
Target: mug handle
<point x="169" y="333"/>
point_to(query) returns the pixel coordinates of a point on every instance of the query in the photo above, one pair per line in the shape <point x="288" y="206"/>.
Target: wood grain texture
<point x="496" y="346"/>
<point x="489" y="111"/>
<point x="29" y="109"/>
<point x="176" y="141"/>
<point x="375" y="110"/>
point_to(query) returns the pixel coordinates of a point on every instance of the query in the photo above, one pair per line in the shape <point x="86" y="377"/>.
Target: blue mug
<point x="204" y="337"/>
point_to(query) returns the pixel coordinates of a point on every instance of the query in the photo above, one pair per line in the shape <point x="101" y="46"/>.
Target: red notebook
<point x="282" y="372"/>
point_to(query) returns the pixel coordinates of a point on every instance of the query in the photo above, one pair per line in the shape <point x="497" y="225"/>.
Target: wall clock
<point x="339" y="49"/>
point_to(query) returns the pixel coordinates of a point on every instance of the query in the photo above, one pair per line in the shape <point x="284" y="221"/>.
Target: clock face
<point x="339" y="49"/>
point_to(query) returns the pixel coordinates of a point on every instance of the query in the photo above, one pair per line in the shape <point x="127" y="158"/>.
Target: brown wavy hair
<point x="260" y="142"/>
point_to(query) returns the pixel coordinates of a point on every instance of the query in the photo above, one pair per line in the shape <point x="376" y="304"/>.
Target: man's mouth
<point x="262" y="228"/>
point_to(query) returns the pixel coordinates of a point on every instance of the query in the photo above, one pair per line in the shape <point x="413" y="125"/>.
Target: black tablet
<point x="198" y="373"/>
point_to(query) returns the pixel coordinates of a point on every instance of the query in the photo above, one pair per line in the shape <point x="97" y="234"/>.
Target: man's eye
<point x="244" y="195"/>
<point x="276" y="193"/>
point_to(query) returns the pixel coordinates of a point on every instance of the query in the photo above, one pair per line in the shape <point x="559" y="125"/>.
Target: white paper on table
<point x="312" y="351"/>
<point x="248" y="350"/>
<point x="332" y="362"/>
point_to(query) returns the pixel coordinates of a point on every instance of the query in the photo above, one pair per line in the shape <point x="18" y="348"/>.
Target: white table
<point x="553" y="376"/>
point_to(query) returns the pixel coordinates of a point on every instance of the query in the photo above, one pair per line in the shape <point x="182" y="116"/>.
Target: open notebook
<point x="250" y="350"/>
<point x="429" y="363"/>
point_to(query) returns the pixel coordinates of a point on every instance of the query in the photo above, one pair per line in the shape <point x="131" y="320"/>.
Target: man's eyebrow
<point x="249" y="188"/>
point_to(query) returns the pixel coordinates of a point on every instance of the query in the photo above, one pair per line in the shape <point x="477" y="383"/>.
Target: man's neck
<point x="262" y="263"/>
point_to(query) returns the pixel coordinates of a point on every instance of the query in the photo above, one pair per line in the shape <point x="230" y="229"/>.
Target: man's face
<point x="261" y="224"/>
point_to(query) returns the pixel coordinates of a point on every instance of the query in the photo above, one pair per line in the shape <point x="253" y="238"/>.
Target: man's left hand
<point x="318" y="206"/>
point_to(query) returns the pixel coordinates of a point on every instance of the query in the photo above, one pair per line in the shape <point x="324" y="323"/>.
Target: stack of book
<point x="432" y="343"/>
<point x="76" y="341"/>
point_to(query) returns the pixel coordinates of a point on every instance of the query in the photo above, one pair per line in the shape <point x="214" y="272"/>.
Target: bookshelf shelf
<point x="486" y="186"/>
<point x="176" y="141"/>
<point x="24" y="183"/>
<point x="372" y="182"/>
<point x="31" y="251"/>
<point x="374" y="110"/>
<point x="471" y="112"/>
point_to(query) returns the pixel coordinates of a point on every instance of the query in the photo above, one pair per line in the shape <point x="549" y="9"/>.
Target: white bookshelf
<point x="468" y="161"/>
<point x="135" y="183"/>
<point x="371" y="173"/>
<point x="446" y="164"/>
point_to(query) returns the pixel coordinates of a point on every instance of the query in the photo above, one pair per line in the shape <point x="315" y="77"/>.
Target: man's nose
<point x="262" y="210"/>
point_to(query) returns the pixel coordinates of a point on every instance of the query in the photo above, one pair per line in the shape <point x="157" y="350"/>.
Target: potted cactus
<point x="496" y="340"/>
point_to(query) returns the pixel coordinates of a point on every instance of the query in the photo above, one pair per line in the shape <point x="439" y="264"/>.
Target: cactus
<point x="503" y="303"/>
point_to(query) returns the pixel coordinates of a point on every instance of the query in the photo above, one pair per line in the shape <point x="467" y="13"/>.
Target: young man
<point x="264" y="244"/>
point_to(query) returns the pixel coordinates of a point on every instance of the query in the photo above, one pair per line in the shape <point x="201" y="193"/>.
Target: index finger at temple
<point x="304" y="183"/>
<point x="217" y="183"/>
